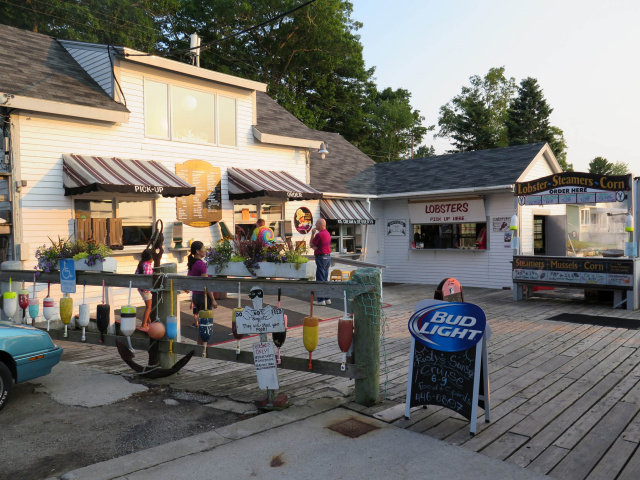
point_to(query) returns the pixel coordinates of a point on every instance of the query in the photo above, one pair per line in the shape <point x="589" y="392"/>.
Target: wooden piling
<point x="164" y="310"/>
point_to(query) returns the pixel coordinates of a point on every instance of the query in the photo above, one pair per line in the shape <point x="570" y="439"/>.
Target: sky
<point x="584" y="55"/>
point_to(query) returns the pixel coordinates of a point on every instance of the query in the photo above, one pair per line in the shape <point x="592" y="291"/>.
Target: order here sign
<point x="448" y="211"/>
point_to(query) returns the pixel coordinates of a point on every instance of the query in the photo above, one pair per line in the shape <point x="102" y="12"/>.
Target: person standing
<point x="256" y="231"/>
<point x="321" y="245"/>
<point x="145" y="267"/>
<point x="197" y="268"/>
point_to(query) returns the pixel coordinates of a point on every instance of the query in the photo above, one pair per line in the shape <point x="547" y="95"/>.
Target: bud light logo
<point x="448" y="327"/>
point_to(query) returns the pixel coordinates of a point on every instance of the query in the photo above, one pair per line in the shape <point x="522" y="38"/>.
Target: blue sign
<point x="67" y="275"/>
<point x="448" y="327"/>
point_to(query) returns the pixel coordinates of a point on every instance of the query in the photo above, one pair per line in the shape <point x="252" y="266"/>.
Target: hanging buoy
<point x="128" y="320"/>
<point x="23" y="302"/>
<point x="9" y="302"/>
<point x="205" y="324"/>
<point x="66" y="310"/>
<point x="34" y="305"/>
<point x="103" y="312"/>
<point x="83" y="312"/>
<point x="310" y="332"/>
<point x="234" y="326"/>
<point x="48" y="306"/>
<point x="345" y="334"/>
<point x="172" y="324"/>
<point x="156" y="330"/>
<point x="280" y="337"/>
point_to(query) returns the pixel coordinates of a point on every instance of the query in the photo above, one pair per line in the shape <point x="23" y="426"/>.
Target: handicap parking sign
<point x="67" y="275"/>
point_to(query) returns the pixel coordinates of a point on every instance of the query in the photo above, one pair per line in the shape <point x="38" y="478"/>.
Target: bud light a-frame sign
<point x="448" y="360"/>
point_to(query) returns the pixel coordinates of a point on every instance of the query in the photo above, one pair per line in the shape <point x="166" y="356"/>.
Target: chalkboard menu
<point x="205" y="206"/>
<point x="444" y="378"/>
<point x="448" y="359"/>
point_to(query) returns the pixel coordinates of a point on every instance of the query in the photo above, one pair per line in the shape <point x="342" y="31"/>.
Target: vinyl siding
<point x="47" y="213"/>
<point x="95" y="60"/>
<point x="473" y="268"/>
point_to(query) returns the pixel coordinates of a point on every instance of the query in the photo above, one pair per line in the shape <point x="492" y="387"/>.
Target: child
<point x="197" y="268"/>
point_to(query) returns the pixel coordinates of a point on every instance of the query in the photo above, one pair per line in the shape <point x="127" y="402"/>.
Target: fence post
<point x="164" y="310"/>
<point x="366" y="336"/>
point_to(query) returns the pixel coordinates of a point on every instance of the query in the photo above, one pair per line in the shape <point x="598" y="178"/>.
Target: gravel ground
<point x="40" y="437"/>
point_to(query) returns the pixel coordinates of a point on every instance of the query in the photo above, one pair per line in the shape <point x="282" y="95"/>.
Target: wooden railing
<point x="366" y="334"/>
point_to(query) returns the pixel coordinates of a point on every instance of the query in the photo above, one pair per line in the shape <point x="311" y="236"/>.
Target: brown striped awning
<point x="87" y="173"/>
<point x="346" y="211"/>
<point x="249" y="183"/>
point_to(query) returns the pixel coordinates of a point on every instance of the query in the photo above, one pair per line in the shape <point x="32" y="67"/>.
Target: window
<point x="227" y="114"/>
<point x="245" y="216"/>
<point x="137" y="216"/>
<point x="343" y="237"/>
<point x="156" y="109"/>
<point x="464" y="236"/>
<point x="185" y="114"/>
<point x="193" y="115"/>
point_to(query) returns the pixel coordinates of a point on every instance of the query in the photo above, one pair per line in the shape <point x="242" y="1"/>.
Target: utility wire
<point x="209" y="44"/>
<point x="63" y="19"/>
<point x="118" y="21"/>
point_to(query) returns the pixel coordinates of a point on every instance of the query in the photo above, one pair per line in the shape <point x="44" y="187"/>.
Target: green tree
<point x="393" y="125"/>
<point x="602" y="166"/>
<point x="528" y="121"/>
<point x="475" y="119"/>
<point x="311" y="59"/>
<point x="129" y="23"/>
<point x="620" y="168"/>
<point x="424" y="151"/>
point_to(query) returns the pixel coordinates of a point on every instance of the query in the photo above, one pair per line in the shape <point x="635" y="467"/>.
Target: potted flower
<point x="254" y="258"/>
<point x="87" y="256"/>
<point x="219" y="255"/>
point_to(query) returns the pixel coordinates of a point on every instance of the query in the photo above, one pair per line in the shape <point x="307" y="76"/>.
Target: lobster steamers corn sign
<point x="448" y="365"/>
<point x="573" y="187"/>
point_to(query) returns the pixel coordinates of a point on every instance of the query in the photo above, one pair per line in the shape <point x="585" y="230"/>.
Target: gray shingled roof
<point x="327" y="175"/>
<point x="484" y="168"/>
<point x="345" y="169"/>
<point x="37" y="66"/>
<point x="276" y="120"/>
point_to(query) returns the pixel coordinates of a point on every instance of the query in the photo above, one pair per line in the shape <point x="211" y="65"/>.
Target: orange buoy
<point x="310" y="333"/>
<point x="345" y="334"/>
<point x="156" y="330"/>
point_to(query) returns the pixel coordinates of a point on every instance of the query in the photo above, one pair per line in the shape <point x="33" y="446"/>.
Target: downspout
<point x="366" y="233"/>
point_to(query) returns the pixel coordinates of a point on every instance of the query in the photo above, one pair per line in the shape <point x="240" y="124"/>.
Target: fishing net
<point x="370" y="302"/>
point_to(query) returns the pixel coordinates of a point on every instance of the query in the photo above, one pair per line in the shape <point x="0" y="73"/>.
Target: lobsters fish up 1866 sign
<point x="448" y="360"/>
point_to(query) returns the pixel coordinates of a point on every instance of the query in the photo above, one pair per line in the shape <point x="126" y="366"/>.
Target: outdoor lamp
<point x="324" y="149"/>
<point x="628" y="224"/>
<point x="514" y="222"/>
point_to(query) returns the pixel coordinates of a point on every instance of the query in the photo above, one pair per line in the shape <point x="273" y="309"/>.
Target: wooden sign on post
<point x="448" y="359"/>
<point x="264" y="359"/>
<point x="205" y="206"/>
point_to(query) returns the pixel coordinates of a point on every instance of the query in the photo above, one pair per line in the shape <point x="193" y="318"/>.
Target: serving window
<point x="462" y="236"/>
<point x="115" y="222"/>
<point x="245" y="216"/>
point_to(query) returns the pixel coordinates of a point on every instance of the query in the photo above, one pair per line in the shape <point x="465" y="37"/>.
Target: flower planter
<point x="268" y="270"/>
<point x="110" y="264"/>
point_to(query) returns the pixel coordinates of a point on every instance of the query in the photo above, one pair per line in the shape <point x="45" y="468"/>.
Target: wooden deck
<point x="565" y="398"/>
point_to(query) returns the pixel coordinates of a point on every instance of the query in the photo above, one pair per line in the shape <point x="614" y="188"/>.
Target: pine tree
<point x="528" y="121"/>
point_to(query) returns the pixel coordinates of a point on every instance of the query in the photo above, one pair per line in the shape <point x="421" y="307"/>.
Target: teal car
<point x="25" y="353"/>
